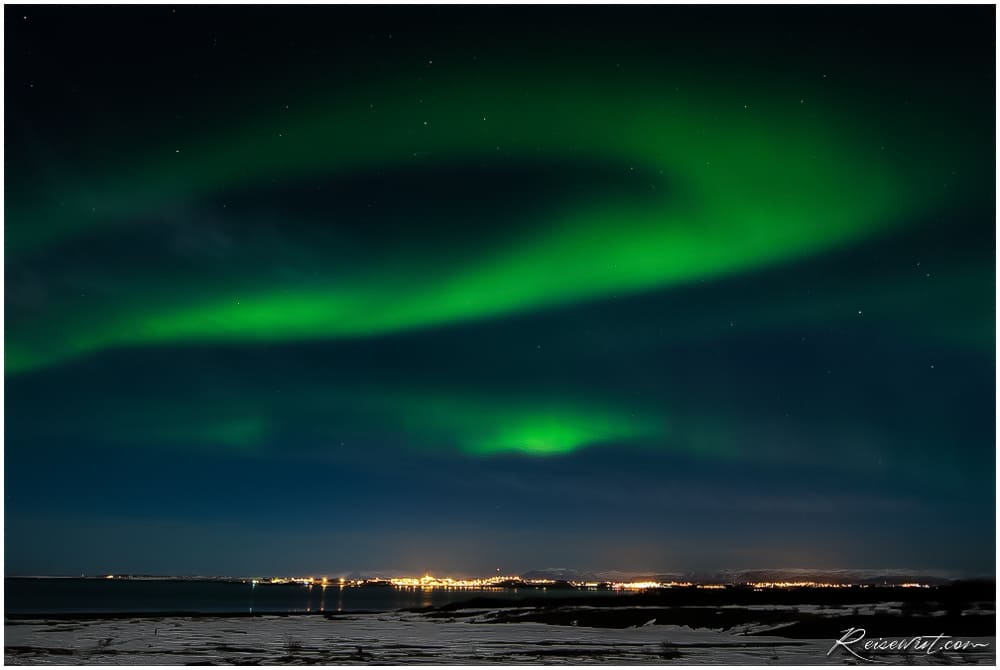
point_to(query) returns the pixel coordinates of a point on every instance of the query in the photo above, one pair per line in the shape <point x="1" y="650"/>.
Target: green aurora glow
<point x="771" y="182"/>
<point x="311" y="289"/>
<point x="710" y="182"/>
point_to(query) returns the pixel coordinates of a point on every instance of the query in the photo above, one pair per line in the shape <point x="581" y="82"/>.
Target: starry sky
<point x="341" y="289"/>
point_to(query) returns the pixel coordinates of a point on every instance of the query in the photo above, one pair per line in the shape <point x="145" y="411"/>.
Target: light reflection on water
<point x="39" y="596"/>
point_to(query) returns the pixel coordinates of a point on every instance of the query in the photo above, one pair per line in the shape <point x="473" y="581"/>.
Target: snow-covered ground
<point x="399" y="638"/>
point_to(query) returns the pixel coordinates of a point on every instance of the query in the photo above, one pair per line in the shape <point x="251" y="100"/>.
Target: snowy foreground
<point x="398" y="638"/>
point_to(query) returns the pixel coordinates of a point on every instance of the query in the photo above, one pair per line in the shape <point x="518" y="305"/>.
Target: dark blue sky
<point x="643" y="289"/>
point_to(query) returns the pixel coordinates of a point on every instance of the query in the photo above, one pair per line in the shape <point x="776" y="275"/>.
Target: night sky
<point x="353" y="289"/>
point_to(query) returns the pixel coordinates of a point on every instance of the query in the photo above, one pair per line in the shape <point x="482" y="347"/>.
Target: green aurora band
<point x="773" y="181"/>
<point x="779" y="177"/>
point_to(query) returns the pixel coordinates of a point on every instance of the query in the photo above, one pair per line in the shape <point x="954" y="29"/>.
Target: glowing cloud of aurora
<point x="773" y="180"/>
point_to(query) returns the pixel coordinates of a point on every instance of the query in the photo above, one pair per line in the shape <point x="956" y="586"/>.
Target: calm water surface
<point x="67" y="596"/>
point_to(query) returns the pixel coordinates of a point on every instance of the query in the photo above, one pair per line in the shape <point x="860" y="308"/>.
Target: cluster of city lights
<point x="305" y="581"/>
<point x="641" y="586"/>
<point x="501" y="581"/>
<point x="429" y="582"/>
<point x="827" y="585"/>
<point x="797" y="585"/>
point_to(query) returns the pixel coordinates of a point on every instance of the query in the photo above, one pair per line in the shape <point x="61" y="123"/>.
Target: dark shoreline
<point x="950" y="595"/>
<point x="963" y="608"/>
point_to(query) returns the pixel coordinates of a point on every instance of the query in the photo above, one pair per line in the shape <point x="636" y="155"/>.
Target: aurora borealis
<point x="642" y="288"/>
